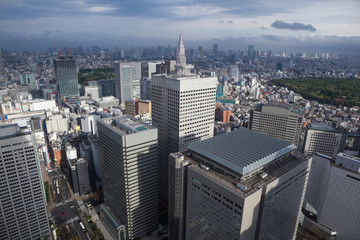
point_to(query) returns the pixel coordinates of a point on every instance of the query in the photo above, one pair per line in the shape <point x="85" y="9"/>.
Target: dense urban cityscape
<point x="179" y="120"/>
<point x="139" y="144"/>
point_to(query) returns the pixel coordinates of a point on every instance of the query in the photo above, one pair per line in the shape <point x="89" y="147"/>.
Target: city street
<point x="65" y="212"/>
<point x="60" y="187"/>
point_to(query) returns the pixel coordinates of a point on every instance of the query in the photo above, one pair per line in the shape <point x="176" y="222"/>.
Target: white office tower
<point x="127" y="81"/>
<point x="234" y="73"/>
<point x="88" y="123"/>
<point x="29" y="79"/>
<point x="22" y="201"/>
<point x="278" y="120"/>
<point x="323" y="138"/>
<point x="238" y="185"/>
<point x="152" y="68"/>
<point x="332" y="201"/>
<point x="183" y="110"/>
<point x="128" y="149"/>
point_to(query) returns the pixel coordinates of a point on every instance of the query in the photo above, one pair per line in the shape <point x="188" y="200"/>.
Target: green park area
<point x="95" y="74"/>
<point x="325" y="90"/>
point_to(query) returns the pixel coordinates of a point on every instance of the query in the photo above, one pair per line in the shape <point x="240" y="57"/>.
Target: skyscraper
<point x="279" y="120"/>
<point x="66" y="77"/>
<point x="127" y="81"/>
<point x="238" y="185"/>
<point x="82" y="169"/>
<point x="128" y="149"/>
<point x="22" y="201"/>
<point x="215" y="49"/>
<point x="251" y="52"/>
<point x="323" y="138"/>
<point x="332" y="197"/>
<point x="181" y="67"/>
<point x="183" y="109"/>
<point x="29" y="79"/>
<point x="1" y="63"/>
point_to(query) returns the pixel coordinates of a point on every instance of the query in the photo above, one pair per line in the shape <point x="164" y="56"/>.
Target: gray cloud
<point x="333" y="44"/>
<point x="226" y="22"/>
<point x="295" y="26"/>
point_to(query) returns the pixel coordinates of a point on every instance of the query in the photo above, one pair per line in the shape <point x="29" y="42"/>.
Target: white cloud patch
<point x="101" y="9"/>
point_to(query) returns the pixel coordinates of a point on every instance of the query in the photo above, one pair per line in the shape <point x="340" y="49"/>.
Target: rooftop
<point x="243" y="150"/>
<point x="253" y="183"/>
<point x="323" y="127"/>
<point x="288" y="107"/>
<point x="127" y="124"/>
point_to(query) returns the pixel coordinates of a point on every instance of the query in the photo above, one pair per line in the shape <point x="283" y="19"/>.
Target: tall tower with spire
<point x="180" y="53"/>
<point x="181" y="68"/>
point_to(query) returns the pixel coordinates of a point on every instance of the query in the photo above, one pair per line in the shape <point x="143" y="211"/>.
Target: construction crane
<point x="64" y="97"/>
<point x="68" y="49"/>
<point x="57" y="46"/>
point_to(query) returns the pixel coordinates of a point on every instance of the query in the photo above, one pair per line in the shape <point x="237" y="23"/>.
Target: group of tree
<point x="333" y="91"/>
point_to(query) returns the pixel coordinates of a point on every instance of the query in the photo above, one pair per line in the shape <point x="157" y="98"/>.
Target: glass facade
<point x="66" y="77"/>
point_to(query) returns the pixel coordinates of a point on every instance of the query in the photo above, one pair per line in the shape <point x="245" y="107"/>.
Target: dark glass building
<point x="66" y="77"/>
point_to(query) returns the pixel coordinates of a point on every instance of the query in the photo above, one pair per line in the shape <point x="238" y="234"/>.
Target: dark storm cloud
<point x="295" y="26"/>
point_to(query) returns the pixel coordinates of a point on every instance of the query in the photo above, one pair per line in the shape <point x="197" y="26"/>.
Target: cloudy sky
<point x="304" y="25"/>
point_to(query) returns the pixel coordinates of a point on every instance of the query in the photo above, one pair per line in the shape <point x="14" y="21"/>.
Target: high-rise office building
<point x="183" y="110"/>
<point x="152" y="68"/>
<point x="128" y="149"/>
<point x="88" y="123"/>
<point x="234" y="73"/>
<point x="278" y="120"/>
<point x="82" y="169"/>
<point x="238" y="185"/>
<point x="215" y="49"/>
<point x="2" y="70"/>
<point x="251" y="52"/>
<point x="331" y="205"/>
<point x="323" y="138"/>
<point x="127" y="80"/>
<point x="29" y="79"/>
<point x="66" y="77"/>
<point x="145" y="89"/>
<point x="22" y="199"/>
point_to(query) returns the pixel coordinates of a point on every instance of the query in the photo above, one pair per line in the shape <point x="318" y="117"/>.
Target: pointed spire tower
<point x="180" y="53"/>
<point x="181" y="68"/>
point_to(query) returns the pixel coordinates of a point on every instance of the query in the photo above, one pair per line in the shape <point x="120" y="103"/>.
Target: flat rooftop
<point x="323" y="127"/>
<point x="243" y="150"/>
<point x="291" y="108"/>
<point x="253" y="183"/>
<point x="127" y="124"/>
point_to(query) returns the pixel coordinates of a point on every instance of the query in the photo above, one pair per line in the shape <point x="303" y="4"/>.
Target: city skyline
<point x="233" y="25"/>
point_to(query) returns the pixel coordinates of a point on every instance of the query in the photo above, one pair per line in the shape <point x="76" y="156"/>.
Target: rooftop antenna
<point x="68" y="49"/>
<point x="57" y="46"/>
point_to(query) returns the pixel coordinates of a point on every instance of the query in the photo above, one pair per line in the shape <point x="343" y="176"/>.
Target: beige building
<point x="278" y="120"/>
<point x="183" y="110"/>
<point x="323" y="138"/>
